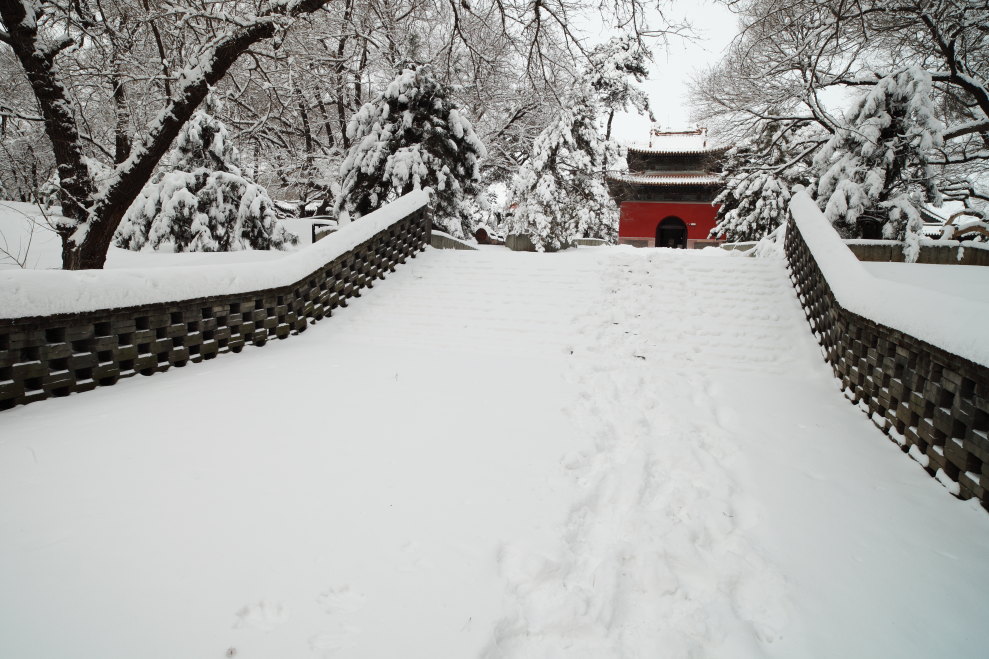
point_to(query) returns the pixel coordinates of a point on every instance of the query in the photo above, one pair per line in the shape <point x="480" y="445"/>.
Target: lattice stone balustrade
<point x="917" y="393"/>
<point x="41" y="357"/>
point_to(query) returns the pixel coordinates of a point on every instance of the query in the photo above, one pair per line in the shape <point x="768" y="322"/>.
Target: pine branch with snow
<point x="613" y="70"/>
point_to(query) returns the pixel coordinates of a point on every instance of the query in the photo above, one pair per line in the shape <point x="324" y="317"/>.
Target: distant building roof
<point x="667" y="179"/>
<point x="687" y="142"/>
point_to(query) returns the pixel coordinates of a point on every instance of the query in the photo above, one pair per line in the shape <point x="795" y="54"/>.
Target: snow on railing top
<point x="950" y="323"/>
<point x="25" y="293"/>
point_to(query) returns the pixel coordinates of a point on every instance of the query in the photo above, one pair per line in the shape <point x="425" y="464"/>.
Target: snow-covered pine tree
<point x="875" y="172"/>
<point x="412" y="135"/>
<point x="202" y="203"/>
<point x="560" y="193"/>
<point x="759" y="175"/>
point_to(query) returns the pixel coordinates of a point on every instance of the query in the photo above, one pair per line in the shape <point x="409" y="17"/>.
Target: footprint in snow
<point x="340" y="600"/>
<point x="573" y="460"/>
<point x="331" y="644"/>
<point x="263" y="615"/>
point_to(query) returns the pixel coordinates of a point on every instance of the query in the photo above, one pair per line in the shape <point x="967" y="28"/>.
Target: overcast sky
<point x="715" y="27"/>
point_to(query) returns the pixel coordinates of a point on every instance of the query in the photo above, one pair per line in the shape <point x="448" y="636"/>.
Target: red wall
<point x="639" y="219"/>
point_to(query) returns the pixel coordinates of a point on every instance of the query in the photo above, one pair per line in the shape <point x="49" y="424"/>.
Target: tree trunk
<point x="122" y="141"/>
<point x="327" y="126"/>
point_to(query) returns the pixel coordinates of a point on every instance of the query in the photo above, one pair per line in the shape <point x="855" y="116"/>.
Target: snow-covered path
<point x="599" y="453"/>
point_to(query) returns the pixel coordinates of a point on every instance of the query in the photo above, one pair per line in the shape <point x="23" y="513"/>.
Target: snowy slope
<point x="595" y="453"/>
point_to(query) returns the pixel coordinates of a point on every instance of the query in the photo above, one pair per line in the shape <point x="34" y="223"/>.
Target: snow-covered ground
<point x="598" y="453"/>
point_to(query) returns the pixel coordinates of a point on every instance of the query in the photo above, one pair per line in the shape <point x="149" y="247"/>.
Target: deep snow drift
<point x="598" y="453"/>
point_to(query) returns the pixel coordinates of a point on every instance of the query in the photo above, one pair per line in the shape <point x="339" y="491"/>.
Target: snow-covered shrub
<point x="477" y="212"/>
<point x="756" y="204"/>
<point x="876" y="169"/>
<point x="204" y="203"/>
<point x="560" y="193"/>
<point x="411" y="136"/>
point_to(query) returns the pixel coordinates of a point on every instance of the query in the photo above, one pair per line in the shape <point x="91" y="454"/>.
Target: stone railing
<point x="443" y="240"/>
<point x="55" y="355"/>
<point x="950" y="253"/>
<point x="932" y="402"/>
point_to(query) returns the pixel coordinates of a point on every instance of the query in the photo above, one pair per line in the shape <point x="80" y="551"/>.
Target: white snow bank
<point x="44" y="292"/>
<point x="951" y="323"/>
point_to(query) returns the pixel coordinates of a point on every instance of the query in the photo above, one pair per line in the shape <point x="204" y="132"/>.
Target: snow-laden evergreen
<point x="410" y="136"/>
<point x="204" y="203"/>
<point x="560" y="193"/>
<point x="876" y="170"/>
<point x="759" y="175"/>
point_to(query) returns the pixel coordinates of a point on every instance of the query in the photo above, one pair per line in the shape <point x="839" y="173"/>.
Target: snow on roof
<point x="667" y="179"/>
<point x="679" y="143"/>
<point x="951" y="323"/>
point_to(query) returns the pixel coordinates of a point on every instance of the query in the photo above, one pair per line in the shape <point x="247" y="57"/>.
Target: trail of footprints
<point x="653" y="556"/>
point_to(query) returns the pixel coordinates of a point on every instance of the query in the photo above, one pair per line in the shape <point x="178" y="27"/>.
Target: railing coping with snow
<point x="951" y="323"/>
<point x="920" y="375"/>
<point x="64" y="332"/>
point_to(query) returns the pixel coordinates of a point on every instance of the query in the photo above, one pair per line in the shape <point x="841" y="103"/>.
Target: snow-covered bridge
<point x="494" y="454"/>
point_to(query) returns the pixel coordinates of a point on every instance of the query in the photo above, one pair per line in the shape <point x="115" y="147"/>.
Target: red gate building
<point x="665" y="197"/>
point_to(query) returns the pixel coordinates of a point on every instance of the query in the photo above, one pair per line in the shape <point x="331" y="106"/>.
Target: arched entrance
<point x="671" y="232"/>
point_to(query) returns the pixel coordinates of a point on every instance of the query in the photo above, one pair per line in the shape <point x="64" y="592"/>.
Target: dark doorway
<point x="671" y="232"/>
